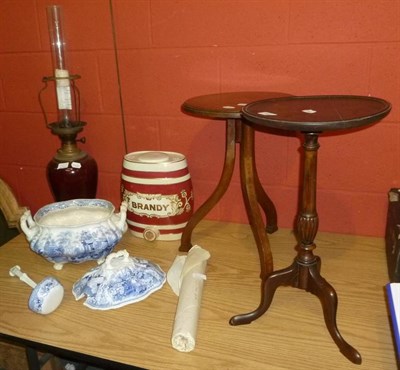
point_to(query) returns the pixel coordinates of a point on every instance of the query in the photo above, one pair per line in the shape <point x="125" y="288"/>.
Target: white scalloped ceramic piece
<point x="119" y="281"/>
<point x="75" y="231"/>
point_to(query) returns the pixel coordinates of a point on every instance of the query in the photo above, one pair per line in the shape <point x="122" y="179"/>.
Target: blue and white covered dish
<point x="75" y="230"/>
<point x="119" y="281"/>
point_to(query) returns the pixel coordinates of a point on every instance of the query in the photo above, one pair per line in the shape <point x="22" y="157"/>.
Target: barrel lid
<point x="149" y="157"/>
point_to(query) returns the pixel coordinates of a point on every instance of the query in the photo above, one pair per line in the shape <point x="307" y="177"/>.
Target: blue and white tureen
<point x="75" y="230"/>
<point x="119" y="281"/>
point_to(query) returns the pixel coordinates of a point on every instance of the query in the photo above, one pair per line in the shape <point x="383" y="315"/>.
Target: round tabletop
<point x="225" y="105"/>
<point x="317" y="113"/>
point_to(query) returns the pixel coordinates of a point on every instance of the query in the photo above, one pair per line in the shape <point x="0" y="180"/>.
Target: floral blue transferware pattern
<point x="119" y="281"/>
<point x="75" y="231"/>
<point x="46" y="296"/>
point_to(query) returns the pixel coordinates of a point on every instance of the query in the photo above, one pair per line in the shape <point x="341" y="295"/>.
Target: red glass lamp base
<point x="73" y="179"/>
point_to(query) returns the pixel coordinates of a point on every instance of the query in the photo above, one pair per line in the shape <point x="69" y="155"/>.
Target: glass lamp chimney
<point x="61" y="74"/>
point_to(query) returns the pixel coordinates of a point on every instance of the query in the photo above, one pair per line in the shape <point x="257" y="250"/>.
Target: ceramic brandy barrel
<point x="158" y="190"/>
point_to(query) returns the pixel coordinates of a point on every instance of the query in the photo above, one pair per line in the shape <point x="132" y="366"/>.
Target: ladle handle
<point x="16" y="271"/>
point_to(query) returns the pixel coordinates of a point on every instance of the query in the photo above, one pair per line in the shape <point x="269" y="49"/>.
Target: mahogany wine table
<point x="311" y="115"/>
<point x="228" y="106"/>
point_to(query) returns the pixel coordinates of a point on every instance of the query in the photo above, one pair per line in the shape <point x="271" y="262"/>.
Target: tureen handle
<point x="123" y="253"/>
<point x="120" y="218"/>
<point x="28" y="225"/>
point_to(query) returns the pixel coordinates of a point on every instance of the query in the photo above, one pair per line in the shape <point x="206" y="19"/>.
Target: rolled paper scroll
<point x="186" y="278"/>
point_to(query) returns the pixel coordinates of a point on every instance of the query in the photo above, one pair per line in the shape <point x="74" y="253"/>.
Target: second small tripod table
<point x="228" y="107"/>
<point x="311" y="115"/>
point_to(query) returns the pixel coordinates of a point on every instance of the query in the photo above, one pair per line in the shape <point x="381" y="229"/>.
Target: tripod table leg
<point x="329" y="301"/>
<point x="207" y="206"/>
<point x="268" y="289"/>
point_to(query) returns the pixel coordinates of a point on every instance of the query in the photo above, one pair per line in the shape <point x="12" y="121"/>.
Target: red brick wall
<point x="170" y="50"/>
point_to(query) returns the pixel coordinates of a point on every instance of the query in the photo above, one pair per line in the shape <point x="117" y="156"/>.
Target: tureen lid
<point x="119" y="281"/>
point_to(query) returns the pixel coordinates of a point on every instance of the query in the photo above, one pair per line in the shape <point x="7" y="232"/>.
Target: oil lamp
<point x="72" y="173"/>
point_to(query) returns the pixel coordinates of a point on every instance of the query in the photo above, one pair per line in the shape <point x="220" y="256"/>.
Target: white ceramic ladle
<point x="46" y="296"/>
